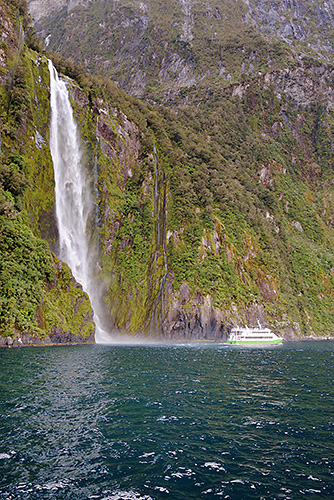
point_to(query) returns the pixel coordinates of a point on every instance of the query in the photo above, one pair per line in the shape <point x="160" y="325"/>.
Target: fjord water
<point x="167" y="421"/>
<point x="73" y="194"/>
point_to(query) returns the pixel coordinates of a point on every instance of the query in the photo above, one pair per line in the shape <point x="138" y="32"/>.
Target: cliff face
<point x="42" y="9"/>
<point x="157" y="55"/>
<point x="212" y="213"/>
<point x="307" y="25"/>
<point x="217" y="215"/>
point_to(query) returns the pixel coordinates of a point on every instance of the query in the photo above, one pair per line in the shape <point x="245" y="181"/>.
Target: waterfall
<point x="157" y="307"/>
<point x="74" y="201"/>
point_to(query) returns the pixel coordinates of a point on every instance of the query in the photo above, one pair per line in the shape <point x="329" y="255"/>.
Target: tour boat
<point x="257" y="335"/>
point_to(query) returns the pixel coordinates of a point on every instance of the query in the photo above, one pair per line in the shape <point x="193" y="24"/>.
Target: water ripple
<point x="155" y="422"/>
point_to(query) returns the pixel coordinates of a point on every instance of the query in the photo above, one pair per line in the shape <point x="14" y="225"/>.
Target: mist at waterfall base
<point x="74" y="200"/>
<point x="171" y="421"/>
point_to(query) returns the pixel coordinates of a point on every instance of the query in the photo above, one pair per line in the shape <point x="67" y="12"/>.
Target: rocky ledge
<point x="57" y="336"/>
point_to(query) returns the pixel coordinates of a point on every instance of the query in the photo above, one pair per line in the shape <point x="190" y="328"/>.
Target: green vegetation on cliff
<point x="248" y="174"/>
<point x="37" y="294"/>
<point x="248" y="192"/>
<point x="227" y="195"/>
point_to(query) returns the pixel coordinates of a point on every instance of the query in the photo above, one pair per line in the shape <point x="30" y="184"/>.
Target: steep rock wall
<point x="157" y="53"/>
<point x="307" y="23"/>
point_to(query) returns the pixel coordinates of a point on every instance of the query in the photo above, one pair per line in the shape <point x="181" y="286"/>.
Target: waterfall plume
<point x="74" y="200"/>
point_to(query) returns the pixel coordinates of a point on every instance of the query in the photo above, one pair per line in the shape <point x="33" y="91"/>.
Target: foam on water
<point x="127" y="495"/>
<point x="215" y="466"/>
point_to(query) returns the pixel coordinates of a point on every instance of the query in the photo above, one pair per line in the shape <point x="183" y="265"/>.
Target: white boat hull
<point x="253" y="336"/>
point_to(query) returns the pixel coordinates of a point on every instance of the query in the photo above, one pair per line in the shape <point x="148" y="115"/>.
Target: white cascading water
<point x="74" y="203"/>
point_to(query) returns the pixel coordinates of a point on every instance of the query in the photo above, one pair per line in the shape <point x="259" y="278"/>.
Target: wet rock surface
<point x="57" y="336"/>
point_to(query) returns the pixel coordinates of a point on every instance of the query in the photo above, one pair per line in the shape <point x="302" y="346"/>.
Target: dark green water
<point x="177" y="422"/>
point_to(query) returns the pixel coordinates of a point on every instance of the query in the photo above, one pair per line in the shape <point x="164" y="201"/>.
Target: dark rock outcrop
<point x="195" y="318"/>
<point x="57" y="336"/>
